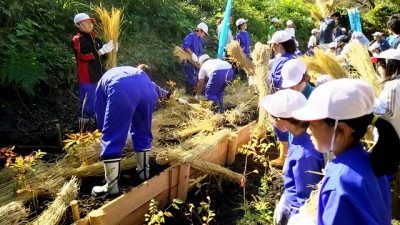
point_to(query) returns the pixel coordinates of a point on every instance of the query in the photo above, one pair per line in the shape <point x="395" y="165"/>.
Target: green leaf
<point x="168" y="214"/>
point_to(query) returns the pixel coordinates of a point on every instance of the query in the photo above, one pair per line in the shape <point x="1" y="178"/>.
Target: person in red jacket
<point x="90" y="54"/>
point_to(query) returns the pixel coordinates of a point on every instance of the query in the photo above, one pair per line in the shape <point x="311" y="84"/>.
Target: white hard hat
<point x="289" y="22"/>
<point x="293" y="72"/>
<point x="203" y="26"/>
<point x="314" y="31"/>
<point x="279" y="37"/>
<point x="388" y="54"/>
<point x="81" y="17"/>
<point x="340" y="99"/>
<point x="283" y="103"/>
<point x="275" y="20"/>
<point x="240" y="21"/>
<point x="379" y="34"/>
<point x="344" y="29"/>
<point x="323" y="79"/>
<point x="203" y="58"/>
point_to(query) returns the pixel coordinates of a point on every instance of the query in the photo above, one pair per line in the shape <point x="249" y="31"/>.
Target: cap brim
<point x="305" y="114"/>
<point x="289" y="83"/>
<point x="266" y="103"/>
<point x="271" y="42"/>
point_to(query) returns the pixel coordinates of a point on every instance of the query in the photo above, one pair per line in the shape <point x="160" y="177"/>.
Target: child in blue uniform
<point x="125" y="100"/>
<point x="219" y="73"/>
<point x="302" y="156"/>
<point x="284" y="48"/>
<point x="193" y="44"/>
<point x="243" y="37"/>
<point x="354" y="189"/>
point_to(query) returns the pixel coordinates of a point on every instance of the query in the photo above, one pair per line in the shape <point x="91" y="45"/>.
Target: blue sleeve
<point x="248" y="36"/>
<point x="339" y="209"/>
<point x="162" y="93"/>
<point x="304" y="179"/>
<point x="240" y="40"/>
<point x="276" y="75"/>
<point x="187" y="42"/>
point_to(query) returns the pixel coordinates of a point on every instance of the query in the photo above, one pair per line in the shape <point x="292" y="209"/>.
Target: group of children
<point x="308" y="122"/>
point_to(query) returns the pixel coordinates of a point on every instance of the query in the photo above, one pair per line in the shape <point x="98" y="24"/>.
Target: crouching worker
<point x="219" y="73"/>
<point x="125" y="99"/>
<point x="302" y="156"/>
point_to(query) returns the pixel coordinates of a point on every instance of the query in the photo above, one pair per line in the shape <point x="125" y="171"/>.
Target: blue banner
<point x="224" y="30"/>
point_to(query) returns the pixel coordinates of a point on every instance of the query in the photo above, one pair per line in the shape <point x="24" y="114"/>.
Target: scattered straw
<point x="317" y="16"/>
<point x="184" y="56"/>
<point x="13" y="213"/>
<point x="237" y="55"/>
<point x="206" y="125"/>
<point x="311" y="203"/>
<point x="359" y="58"/>
<point x="55" y="212"/>
<point x="110" y="30"/>
<point x="325" y="7"/>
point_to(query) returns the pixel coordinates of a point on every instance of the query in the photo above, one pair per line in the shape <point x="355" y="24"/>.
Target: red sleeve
<point x="77" y="49"/>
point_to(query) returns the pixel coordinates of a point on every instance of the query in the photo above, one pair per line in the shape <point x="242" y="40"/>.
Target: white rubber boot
<point x="143" y="167"/>
<point x="112" y="171"/>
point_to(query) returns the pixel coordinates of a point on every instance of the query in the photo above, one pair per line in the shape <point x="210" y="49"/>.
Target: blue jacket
<point x="302" y="157"/>
<point x="352" y="194"/>
<point x="194" y="43"/>
<point x="384" y="45"/>
<point x="275" y="77"/>
<point x="243" y="37"/>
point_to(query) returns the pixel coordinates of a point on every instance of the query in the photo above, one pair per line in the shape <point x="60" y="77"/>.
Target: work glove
<point x="183" y="101"/>
<point x="195" y="58"/>
<point x="107" y="48"/>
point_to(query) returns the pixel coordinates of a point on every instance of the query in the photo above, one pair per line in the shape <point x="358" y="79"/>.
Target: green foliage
<point x="376" y="19"/>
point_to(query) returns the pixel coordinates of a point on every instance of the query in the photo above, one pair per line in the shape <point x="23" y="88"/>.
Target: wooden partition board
<point x="130" y="208"/>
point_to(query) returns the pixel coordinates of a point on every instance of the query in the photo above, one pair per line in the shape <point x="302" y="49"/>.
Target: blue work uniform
<point x="383" y="45"/>
<point x="243" y="37"/>
<point x="195" y="44"/>
<point x="125" y="98"/>
<point x="352" y="194"/>
<point x="275" y="81"/>
<point x="219" y="72"/>
<point x="302" y="157"/>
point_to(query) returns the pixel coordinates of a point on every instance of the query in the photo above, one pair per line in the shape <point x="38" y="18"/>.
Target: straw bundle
<point x="317" y="16"/>
<point x="110" y="30"/>
<point x="12" y="213"/>
<point x="192" y="149"/>
<point x="311" y="203"/>
<point x="206" y="125"/>
<point x="215" y="169"/>
<point x="240" y="94"/>
<point x="55" y="212"/>
<point x="322" y="63"/>
<point x="237" y="55"/>
<point x="184" y="56"/>
<point x="325" y="7"/>
<point x="238" y="114"/>
<point x="261" y="57"/>
<point x="359" y="58"/>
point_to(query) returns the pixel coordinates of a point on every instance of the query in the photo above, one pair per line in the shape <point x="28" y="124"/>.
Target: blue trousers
<point x="127" y="103"/>
<point x="86" y="110"/>
<point x="215" y="87"/>
<point x="191" y="73"/>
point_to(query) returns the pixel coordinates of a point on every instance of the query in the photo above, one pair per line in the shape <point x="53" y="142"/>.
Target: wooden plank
<point x="122" y="206"/>
<point x="184" y="170"/>
<point x="244" y="134"/>
<point x="218" y="154"/>
<point x="137" y="216"/>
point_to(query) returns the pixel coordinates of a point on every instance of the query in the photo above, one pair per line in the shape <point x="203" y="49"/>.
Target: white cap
<point x="388" y="54"/>
<point x="289" y="22"/>
<point x="314" y="31"/>
<point x="279" y="37"/>
<point x="203" y="26"/>
<point x="377" y="34"/>
<point x="344" y="29"/>
<point x="283" y="103"/>
<point x="374" y="46"/>
<point x="275" y="20"/>
<point x="81" y="17"/>
<point x="240" y="21"/>
<point x="258" y="45"/>
<point x="323" y="79"/>
<point x="340" y="99"/>
<point x="203" y="58"/>
<point x="332" y="45"/>
<point x="293" y="72"/>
